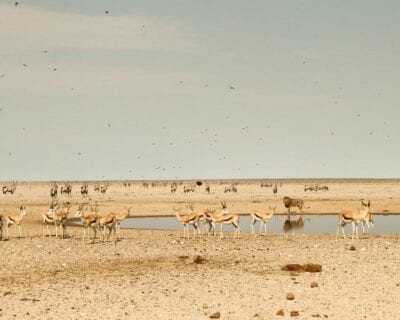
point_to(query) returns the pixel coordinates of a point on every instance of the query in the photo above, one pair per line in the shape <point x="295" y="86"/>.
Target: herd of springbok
<point x="204" y="221"/>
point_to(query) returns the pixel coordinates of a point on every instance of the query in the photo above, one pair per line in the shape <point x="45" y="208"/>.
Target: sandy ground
<point x="152" y="274"/>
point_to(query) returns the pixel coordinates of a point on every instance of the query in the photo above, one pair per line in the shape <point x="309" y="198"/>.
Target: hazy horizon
<point x="210" y="90"/>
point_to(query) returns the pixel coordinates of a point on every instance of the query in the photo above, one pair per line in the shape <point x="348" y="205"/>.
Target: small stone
<point x="6" y="293"/>
<point x="312" y="267"/>
<point x="199" y="260"/>
<point x="290" y="296"/>
<point x="205" y="306"/>
<point x="314" y="284"/>
<point x="352" y="248"/>
<point x="317" y="315"/>
<point x="294" y="313"/>
<point x="280" y="312"/>
<point x="215" y="315"/>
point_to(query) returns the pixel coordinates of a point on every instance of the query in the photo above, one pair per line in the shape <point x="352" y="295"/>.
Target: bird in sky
<point x="232" y="87"/>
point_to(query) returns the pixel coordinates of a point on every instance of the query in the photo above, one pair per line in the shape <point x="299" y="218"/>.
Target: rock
<point x="205" y="306"/>
<point x="290" y="296"/>
<point x="312" y="267"/>
<point x="292" y="267"/>
<point x="352" y="248"/>
<point x="317" y="315"/>
<point x="215" y="315"/>
<point x="309" y="267"/>
<point x="314" y="284"/>
<point x="294" y="313"/>
<point x="199" y="260"/>
<point x="280" y="312"/>
<point x="6" y="293"/>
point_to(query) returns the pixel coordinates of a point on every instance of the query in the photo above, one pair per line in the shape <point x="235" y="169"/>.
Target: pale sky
<point x="199" y="89"/>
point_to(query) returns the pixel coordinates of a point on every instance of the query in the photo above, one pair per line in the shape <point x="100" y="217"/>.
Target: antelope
<point x="120" y="217"/>
<point x="66" y="189"/>
<point x="84" y="190"/>
<point x="48" y="217"/>
<point x="186" y="190"/>
<point x="200" y="216"/>
<point x="106" y="222"/>
<point x="263" y="218"/>
<point x="232" y="188"/>
<point x="10" y="189"/>
<point x="173" y="188"/>
<point x="208" y="189"/>
<point x="226" y="218"/>
<point x="1" y="227"/>
<point x="187" y="219"/>
<point x="60" y="219"/>
<point x="353" y="217"/>
<point x="289" y="202"/>
<point x="54" y="191"/>
<point x="15" y="219"/>
<point x="275" y="189"/>
<point x="266" y="185"/>
<point x="88" y="221"/>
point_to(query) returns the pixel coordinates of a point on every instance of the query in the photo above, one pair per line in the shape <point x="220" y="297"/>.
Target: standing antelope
<point x="187" y="219"/>
<point x="15" y="219"/>
<point x="199" y="214"/>
<point x="66" y="189"/>
<point x="275" y="189"/>
<point x="48" y="217"/>
<point x="226" y="218"/>
<point x="263" y="217"/>
<point x="60" y="219"/>
<point x="1" y="227"/>
<point x="88" y="221"/>
<point x="106" y="222"/>
<point x="289" y="202"/>
<point x="119" y="217"/>
<point x="84" y="190"/>
<point x="353" y="217"/>
<point x="54" y="191"/>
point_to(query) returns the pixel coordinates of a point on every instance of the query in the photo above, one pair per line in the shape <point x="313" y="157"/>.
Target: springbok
<point x="1" y="227"/>
<point x="262" y="217"/>
<point x="54" y="191"/>
<point x="199" y="214"/>
<point x="187" y="219"/>
<point x="66" y="189"/>
<point x="60" y="218"/>
<point x="88" y="221"/>
<point x="119" y="217"/>
<point x="226" y="218"/>
<point x="353" y="217"/>
<point x="186" y="190"/>
<point x="289" y="202"/>
<point x="48" y="217"/>
<point x="84" y="190"/>
<point x="15" y="219"/>
<point x="106" y="222"/>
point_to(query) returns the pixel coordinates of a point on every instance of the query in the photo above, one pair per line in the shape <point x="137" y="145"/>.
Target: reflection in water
<point x="289" y="225"/>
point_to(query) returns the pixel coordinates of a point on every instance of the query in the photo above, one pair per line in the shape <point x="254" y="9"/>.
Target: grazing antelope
<point x="266" y="185"/>
<point x="353" y="217"/>
<point x="232" y="188"/>
<point x="10" y="189"/>
<point x="187" y="219"/>
<point x="88" y="221"/>
<point x="263" y="218"/>
<point x="186" y="190"/>
<point x="289" y="202"/>
<point x="15" y="219"/>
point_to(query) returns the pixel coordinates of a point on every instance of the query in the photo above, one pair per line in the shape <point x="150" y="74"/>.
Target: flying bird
<point x="16" y="4"/>
<point x="107" y="12"/>
<point x="25" y="65"/>
<point x="232" y="87"/>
